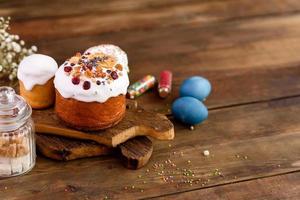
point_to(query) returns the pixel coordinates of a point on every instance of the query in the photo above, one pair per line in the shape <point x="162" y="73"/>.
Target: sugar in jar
<point x="17" y="142"/>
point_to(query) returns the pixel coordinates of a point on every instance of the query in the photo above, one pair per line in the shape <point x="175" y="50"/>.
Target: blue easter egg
<point x="189" y="110"/>
<point x="195" y="86"/>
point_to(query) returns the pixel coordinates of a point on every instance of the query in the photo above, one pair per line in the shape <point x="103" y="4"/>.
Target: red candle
<point x="165" y="83"/>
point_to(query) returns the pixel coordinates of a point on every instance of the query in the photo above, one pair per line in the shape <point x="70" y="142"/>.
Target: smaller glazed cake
<point x="35" y="74"/>
<point x="90" y="90"/>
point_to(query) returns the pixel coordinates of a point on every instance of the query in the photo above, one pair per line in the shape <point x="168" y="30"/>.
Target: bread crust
<point x="41" y="96"/>
<point x="90" y="115"/>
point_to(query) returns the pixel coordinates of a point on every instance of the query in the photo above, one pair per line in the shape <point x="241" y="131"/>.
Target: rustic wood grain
<point x="60" y="148"/>
<point x="277" y="187"/>
<point x="136" y="122"/>
<point x="97" y="17"/>
<point x="251" y="43"/>
<point x="267" y="133"/>
<point x="134" y="153"/>
<point x="247" y="49"/>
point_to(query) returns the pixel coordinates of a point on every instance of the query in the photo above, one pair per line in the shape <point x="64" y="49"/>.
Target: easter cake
<point x="35" y="74"/>
<point x="91" y="88"/>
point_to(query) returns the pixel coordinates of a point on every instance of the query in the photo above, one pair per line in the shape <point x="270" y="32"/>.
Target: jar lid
<point x="14" y="111"/>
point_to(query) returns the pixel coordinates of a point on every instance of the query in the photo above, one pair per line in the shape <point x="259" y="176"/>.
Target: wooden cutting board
<point x="134" y="153"/>
<point x="136" y="122"/>
<point x="61" y="148"/>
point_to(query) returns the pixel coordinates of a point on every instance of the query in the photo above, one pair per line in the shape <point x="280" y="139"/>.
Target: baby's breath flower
<point x="34" y="48"/>
<point x="12" y="51"/>
<point x="11" y="77"/>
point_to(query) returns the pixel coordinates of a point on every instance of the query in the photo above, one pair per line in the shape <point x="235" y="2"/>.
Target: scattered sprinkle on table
<point x="206" y="153"/>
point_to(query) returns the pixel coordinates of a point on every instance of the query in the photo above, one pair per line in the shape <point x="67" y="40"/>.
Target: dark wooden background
<point x="248" y="49"/>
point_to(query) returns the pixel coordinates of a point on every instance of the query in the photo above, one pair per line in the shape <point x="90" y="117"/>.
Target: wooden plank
<point x="277" y="187"/>
<point x="71" y="7"/>
<point x="242" y="44"/>
<point x="233" y="87"/>
<point x="134" y="153"/>
<point x="245" y="142"/>
<point x="60" y="148"/>
<point x="113" y="16"/>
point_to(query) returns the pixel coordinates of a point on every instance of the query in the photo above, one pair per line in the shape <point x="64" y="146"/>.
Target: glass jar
<point x="17" y="142"/>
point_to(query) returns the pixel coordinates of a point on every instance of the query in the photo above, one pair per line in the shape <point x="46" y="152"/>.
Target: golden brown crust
<point x="90" y="115"/>
<point x="41" y="96"/>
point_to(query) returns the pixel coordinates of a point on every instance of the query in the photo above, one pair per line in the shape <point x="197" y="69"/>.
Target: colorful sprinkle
<point x="141" y="86"/>
<point x="165" y="83"/>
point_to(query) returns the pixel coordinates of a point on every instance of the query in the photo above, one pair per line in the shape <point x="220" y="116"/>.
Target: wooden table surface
<point x="248" y="49"/>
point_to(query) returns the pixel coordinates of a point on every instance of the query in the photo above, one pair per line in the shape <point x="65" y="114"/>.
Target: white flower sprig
<point x="12" y="51"/>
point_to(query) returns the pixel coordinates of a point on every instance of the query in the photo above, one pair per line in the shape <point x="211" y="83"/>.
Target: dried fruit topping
<point x="88" y="73"/>
<point x="119" y="67"/>
<point x="93" y="66"/>
<point x="67" y="69"/>
<point x="86" y="85"/>
<point x="114" y="75"/>
<point x="89" y="66"/>
<point x="75" y="80"/>
<point x="100" y="74"/>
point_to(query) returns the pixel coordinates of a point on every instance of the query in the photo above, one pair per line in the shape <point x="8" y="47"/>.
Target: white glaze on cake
<point x="108" y="87"/>
<point x="111" y="50"/>
<point x="36" y="69"/>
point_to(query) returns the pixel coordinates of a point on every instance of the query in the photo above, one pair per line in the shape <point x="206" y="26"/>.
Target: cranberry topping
<point x="114" y="75"/>
<point x="75" y="80"/>
<point x="67" y="69"/>
<point x="86" y="85"/>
